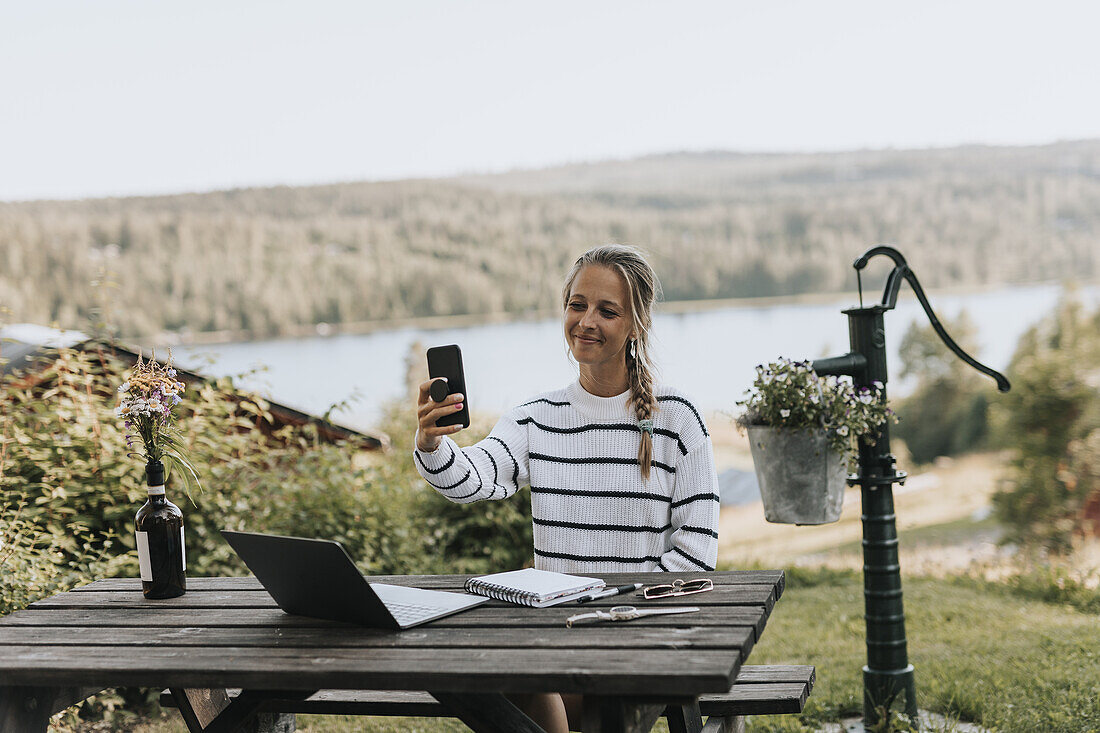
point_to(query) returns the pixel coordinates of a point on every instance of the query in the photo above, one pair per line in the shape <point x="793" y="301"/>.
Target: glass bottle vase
<point x="159" y="529"/>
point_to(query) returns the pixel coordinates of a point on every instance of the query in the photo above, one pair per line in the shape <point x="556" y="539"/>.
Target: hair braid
<point x="641" y="394"/>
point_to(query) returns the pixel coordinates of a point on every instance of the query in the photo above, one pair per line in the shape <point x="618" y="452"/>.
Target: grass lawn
<point x="982" y="653"/>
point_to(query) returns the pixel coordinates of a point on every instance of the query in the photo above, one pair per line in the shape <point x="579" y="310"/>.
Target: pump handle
<point x="890" y="300"/>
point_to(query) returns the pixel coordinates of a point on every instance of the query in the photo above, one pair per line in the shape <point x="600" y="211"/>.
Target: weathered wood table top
<point x="228" y="632"/>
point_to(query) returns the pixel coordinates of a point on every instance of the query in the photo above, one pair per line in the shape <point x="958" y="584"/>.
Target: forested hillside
<point x="271" y="261"/>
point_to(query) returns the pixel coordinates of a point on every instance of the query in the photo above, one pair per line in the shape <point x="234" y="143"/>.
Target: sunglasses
<point x="678" y="587"/>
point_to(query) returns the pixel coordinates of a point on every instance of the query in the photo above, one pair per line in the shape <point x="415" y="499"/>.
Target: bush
<point x="36" y="562"/>
<point x="476" y="538"/>
<point x="1046" y="420"/>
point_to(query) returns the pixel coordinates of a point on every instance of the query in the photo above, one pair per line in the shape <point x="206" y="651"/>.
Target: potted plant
<point x="803" y="431"/>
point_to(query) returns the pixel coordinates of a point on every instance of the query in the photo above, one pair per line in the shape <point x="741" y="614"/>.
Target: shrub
<point x="1053" y="406"/>
<point x="476" y="538"/>
<point x="36" y="562"/>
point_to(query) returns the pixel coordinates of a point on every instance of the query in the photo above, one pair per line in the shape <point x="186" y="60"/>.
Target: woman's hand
<point x="428" y="411"/>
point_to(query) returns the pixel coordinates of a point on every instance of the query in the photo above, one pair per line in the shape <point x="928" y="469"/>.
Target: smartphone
<point x="446" y="361"/>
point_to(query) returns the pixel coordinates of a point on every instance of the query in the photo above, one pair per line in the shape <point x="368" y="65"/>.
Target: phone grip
<point x="439" y="390"/>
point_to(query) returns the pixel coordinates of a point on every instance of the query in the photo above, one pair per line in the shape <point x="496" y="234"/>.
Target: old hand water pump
<point x="888" y="674"/>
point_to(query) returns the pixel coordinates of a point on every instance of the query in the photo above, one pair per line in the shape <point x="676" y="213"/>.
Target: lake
<point x="709" y="354"/>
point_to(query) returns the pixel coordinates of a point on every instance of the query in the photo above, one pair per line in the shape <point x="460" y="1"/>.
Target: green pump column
<point x="888" y="677"/>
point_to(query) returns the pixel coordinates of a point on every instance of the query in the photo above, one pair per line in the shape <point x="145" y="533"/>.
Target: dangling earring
<point x="632" y="350"/>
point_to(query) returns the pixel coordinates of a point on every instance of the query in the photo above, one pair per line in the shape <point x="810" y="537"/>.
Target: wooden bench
<point x="759" y="690"/>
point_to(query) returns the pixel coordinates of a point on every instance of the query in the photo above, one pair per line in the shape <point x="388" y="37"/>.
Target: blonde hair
<point x="644" y="290"/>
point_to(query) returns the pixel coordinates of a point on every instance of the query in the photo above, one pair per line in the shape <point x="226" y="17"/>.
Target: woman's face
<point x="598" y="321"/>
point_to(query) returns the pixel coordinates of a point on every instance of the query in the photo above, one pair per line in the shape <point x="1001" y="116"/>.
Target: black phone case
<point x="446" y="361"/>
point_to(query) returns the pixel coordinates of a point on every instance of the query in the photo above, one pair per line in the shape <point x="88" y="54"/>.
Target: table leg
<point x="619" y="715"/>
<point x="212" y="711"/>
<point x="487" y="713"/>
<point x="199" y="706"/>
<point x="684" y="718"/>
<point x="728" y="724"/>
<point x="29" y="708"/>
<point x="22" y="708"/>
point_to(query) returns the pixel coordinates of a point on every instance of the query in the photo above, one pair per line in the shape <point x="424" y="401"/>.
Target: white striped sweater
<point x="592" y="510"/>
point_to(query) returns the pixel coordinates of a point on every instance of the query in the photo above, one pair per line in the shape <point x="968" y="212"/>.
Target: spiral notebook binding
<point x="501" y="592"/>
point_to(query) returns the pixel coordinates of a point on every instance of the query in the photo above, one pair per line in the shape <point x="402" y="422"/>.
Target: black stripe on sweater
<point x="495" y="484"/>
<point x="703" y="565"/>
<point x="670" y="434"/>
<point x="607" y="461"/>
<point x="601" y="493"/>
<point x="602" y="426"/>
<point x="549" y="402"/>
<point x="699" y="530"/>
<point x="515" y="472"/>
<point x="480" y="481"/>
<point x="438" y="470"/>
<point x="600" y="527"/>
<point x="467" y="496"/>
<point x="674" y="398"/>
<point x="598" y="558"/>
<point x="446" y="488"/>
<point x="696" y="497"/>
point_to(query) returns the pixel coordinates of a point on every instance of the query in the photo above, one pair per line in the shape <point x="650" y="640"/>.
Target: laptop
<point x="317" y="578"/>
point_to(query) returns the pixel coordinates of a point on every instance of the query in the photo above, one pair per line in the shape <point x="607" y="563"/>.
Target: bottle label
<point x="156" y="490"/>
<point x="143" y="556"/>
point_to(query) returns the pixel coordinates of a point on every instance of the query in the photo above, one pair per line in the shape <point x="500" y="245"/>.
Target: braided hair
<point x="644" y="289"/>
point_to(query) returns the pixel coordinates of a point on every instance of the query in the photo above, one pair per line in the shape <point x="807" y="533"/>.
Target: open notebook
<point x="531" y="587"/>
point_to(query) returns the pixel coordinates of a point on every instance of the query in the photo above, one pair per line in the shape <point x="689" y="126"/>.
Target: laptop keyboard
<point x="409" y="612"/>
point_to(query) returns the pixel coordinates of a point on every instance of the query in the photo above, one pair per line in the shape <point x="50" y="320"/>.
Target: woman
<point x="621" y="469"/>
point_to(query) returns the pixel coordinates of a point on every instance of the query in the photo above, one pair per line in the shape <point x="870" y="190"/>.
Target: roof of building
<point x="22" y="343"/>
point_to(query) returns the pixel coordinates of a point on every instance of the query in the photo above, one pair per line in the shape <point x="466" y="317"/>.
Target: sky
<point x="112" y="98"/>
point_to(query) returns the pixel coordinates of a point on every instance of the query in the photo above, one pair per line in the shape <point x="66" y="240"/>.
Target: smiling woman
<point x="621" y="469"/>
<point x="597" y="326"/>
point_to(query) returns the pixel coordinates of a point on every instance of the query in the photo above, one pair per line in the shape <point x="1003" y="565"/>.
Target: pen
<point x="610" y="592"/>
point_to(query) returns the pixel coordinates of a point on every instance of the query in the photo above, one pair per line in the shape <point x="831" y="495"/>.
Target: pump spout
<point x="848" y="365"/>
<point x="901" y="272"/>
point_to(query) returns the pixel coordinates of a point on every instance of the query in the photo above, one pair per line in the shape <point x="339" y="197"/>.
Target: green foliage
<point x="62" y="449"/>
<point x="947" y="413"/>
<point x="1082" y="479"/>
<point x="475" y="538"/>
<point x="1047" y="420"/>
<point x="484" y="536"/>
<point x="37" y="562"/>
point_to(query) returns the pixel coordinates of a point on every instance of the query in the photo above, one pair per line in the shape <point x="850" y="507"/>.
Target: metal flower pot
<point x="801" y="479"/>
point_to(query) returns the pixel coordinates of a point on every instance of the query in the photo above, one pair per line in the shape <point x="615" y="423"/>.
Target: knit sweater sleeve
<point x="494" y="468"/>
<point x="695" y="503"/>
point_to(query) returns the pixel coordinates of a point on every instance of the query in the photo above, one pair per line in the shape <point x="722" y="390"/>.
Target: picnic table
<point x="228" y="633"/>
